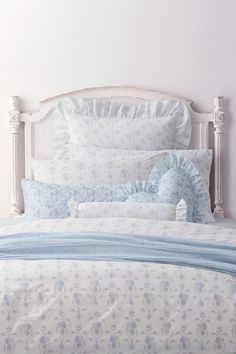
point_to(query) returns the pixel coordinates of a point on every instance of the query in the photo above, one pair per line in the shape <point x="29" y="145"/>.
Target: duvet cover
<point x="117" y="285"/>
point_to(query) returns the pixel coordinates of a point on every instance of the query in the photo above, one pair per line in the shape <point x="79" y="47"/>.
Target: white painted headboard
<point x="32" y="134"/>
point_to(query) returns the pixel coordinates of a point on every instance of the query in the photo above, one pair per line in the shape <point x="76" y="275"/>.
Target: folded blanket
<point x="120" y="247"/>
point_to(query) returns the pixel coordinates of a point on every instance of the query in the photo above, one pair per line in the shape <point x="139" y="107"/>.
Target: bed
<point x="133" y="262"/>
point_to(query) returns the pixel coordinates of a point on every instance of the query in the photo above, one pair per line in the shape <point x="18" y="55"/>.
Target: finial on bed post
<point x="14" y="120"/>
<point x="218" y="122"/>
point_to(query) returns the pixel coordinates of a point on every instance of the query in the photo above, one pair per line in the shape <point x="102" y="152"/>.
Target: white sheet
<point x="110" y="307"/>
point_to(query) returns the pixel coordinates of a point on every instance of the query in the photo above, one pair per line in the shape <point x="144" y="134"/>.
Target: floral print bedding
<point x="63" y="306"/>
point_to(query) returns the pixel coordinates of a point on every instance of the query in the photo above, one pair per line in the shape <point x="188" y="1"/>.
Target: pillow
<point x="157" y="211"/>
<point x="115" y="124"/>
<point x="177" y="178"/>
<point x="49" y="201"/>
<point x="94" y="171"/>
<point x="171" y="180"/>
<point x="129" y="165"/>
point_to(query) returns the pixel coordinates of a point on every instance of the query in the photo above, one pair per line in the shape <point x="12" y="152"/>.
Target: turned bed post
<point x="14" y="119"/>
<point x="218" y="122"/>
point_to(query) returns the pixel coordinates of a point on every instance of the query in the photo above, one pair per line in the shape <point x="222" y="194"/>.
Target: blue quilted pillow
<point x="49" y="201"/>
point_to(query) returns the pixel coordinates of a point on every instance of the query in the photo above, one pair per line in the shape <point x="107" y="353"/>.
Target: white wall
<point x="182" y="46"/>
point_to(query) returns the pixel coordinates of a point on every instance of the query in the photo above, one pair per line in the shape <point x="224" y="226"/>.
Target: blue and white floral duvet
<point x="89" y="306"/>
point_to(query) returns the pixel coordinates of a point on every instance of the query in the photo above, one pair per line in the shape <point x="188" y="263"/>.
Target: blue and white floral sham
<point x="115" y="124"/>
<point x="95" y="171"/>
<point x="201" y="158"/>
<point x="128" y="165"/>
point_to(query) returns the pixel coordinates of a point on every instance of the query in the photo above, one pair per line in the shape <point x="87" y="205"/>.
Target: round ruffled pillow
<point x="176" y="178"/>
<point x="173" y="179"/>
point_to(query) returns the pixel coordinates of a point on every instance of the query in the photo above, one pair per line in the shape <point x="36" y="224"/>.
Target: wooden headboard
<point x="32" y="134"/>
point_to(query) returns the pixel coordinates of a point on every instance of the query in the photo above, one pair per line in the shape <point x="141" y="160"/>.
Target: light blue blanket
<point x="120" y="247"/>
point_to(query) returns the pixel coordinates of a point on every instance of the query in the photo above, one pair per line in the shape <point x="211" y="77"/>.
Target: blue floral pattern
<point x="178" y="178"/>
<point x="156" y="125"/>
<point x="111" y="307"/>
<point x="117" y="166"/>
<point x="49" y="201"/>
<point x="172" y="179"/>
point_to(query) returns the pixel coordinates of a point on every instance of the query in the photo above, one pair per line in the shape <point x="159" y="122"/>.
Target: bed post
<point x="14" y="119"/>
<point x="218" y="122"/>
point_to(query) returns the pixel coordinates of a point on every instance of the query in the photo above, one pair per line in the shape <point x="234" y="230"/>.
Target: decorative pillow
<point x="177" y="178"/>
<point x="157" y="211"/>
<point x="124" y="166"/>
<point x="171" y="180"/>
<point x="115" y="124"/>
<point x="94" y="171"/>
<point x="49" y="201"/>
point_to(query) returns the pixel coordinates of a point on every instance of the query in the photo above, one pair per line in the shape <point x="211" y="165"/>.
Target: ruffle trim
<point x="102" y="108"/>
<point x="124" y="192"/>
<point x="201" y="208"/>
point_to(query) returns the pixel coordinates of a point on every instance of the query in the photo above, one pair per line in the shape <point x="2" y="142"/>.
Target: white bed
<point x="32" y="134"/>
<point x="90" y="306"/>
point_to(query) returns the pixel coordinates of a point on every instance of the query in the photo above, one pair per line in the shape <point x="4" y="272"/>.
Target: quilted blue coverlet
<point x="120" y="247"/>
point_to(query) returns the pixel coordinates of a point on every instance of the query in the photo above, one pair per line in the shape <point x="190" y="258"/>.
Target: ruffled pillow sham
<point x="177" y="178"/>
<point x="155" y="211"/>
<point x="90" y="122"/>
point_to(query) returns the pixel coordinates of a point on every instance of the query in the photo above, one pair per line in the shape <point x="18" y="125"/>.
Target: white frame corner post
<point x="218" y="123"/>
<point x="14" y="120"/>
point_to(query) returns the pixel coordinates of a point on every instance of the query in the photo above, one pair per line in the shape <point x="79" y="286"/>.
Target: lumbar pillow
<point x="156" y="211"/>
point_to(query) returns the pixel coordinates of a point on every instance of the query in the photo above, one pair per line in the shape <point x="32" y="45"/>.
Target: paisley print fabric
<point x="109" y="307"/>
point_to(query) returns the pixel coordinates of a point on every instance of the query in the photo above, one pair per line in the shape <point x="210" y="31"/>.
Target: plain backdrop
<point x="187" y="47"/>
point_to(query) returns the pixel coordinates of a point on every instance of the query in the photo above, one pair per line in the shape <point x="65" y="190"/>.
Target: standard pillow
<point x="128" y="165"/>
<point x="157" y="211"/>
<point x="49" y="201"/>
<point x="153" y="125"/>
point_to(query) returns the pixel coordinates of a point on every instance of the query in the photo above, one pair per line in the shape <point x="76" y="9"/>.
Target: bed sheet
<point x="68" y="306"/>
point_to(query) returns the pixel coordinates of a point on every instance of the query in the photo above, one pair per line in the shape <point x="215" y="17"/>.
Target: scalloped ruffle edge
<point x="103" y="108"/>
<point x="201" y="208"/>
